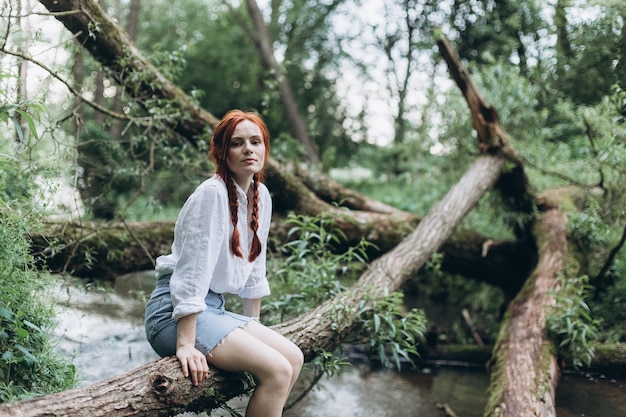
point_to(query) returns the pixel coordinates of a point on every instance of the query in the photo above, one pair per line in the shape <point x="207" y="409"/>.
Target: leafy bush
<point x="391" y="333"/>
<point x="30" y="363"/>
<point x="313" y="270"/>
<point x="570" y="321"/>
<point x="310" y="269"/>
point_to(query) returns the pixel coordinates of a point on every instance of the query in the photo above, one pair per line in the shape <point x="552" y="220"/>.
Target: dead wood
<point x="524" y="370"/>
<point x="106" y="250"/>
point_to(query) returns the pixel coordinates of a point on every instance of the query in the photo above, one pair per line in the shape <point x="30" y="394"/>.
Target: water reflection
<point x="104" y="332"/>
<point x="362" y="391"/>
<point x="590" y="396"/>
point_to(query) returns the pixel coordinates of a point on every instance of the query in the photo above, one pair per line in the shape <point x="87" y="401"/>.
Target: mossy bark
<point x="524" y="368"/>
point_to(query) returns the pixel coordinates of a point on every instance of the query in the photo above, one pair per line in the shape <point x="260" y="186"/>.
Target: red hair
<point x="222" y="135"/>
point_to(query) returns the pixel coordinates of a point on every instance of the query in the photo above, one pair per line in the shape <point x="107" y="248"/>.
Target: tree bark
<point x="525" y="373"/>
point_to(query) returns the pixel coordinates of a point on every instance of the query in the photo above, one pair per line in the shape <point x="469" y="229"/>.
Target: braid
<point x="255" y="250"/>
<point x="233" y="204"/>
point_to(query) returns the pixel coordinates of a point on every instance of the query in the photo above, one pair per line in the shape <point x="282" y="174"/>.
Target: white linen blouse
<point x="201" y="259"/>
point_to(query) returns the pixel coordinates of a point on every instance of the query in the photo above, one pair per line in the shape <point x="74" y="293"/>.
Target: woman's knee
<point x="296" y="358"/>
<point x="280" y="374"/>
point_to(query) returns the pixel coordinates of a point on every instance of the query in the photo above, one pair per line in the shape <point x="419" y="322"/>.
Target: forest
<point x="467" y="152"/>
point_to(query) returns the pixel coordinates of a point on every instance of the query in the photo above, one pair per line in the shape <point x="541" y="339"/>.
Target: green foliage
<point x="571" y="322"/>
<point x="311" y="270"/>
<point x="392" y="334"/>
<point x="30" y="363"/>
<point x="26" y="111"/>
<point x="588" y="229"/>
<point x="328" y="363"/>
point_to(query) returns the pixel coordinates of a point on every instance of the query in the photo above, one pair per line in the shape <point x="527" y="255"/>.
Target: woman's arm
<point x="252" y="307"/>
<point x="192" y="361"/>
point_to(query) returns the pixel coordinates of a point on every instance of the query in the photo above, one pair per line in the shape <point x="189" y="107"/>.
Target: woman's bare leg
<point x="274" y="361"/>
<point x="283" y="345"/>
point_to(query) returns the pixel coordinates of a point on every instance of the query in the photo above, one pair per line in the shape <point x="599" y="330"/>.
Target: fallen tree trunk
<point x="524" y="370"/>
<point x="105" y="40"/>
<point x="105" y="250"/>
<point x="158" y="389"/>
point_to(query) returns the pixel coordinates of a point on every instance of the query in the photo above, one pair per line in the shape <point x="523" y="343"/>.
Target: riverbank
<point x="103" y="330"/>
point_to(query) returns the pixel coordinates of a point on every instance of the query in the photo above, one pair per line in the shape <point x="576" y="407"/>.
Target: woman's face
<point x="246" y="152"/>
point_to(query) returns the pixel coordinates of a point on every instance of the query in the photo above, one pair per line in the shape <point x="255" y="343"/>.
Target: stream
<point x="103" y="331"/>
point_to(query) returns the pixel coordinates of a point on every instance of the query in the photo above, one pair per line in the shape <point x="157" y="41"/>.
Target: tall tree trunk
<point x="262" y="41"/>
<point x="132" y="26"/>
<point x="563" y="46"/>
<point x="22" y="68"/>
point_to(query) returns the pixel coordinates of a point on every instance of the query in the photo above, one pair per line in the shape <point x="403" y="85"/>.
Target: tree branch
<point x="71" y="89"/>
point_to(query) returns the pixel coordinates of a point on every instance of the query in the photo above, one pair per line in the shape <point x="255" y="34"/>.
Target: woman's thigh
<point x="255" y="348"/>
<point x="277" y="341"/>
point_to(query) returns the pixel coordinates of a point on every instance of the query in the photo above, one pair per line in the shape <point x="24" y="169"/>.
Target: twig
<point x="470" y="324"/>
<point x="73" y="90"/>
<point x="139" y="242"/>
<point x="447" y="409"/>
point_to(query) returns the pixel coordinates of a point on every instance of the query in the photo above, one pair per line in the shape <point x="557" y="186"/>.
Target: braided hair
<point x="218" y="153"/>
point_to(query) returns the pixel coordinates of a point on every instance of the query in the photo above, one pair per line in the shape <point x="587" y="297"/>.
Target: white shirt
<point x="201" y="259"/>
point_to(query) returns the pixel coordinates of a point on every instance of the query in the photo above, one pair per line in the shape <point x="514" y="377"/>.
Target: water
<point x="360" y="391"/>
<point x="104" y="330"/>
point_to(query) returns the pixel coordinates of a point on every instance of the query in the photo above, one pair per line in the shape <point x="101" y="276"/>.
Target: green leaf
<point x="29" y="120"/>
<point x="376" y="323"/>
<point x="30" y="358"/>
<point x="18" y="128"/>
<point x="7" y="314"/>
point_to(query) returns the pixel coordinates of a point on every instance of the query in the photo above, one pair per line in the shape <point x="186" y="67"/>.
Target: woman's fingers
<point x="197" y="370"/>
<point x="194" y="366"/>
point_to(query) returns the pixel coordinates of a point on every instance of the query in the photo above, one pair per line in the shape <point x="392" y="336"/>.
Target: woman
<point x="220" y="241"/>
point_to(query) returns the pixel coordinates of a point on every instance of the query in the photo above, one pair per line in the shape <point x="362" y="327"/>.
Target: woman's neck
<point x="244" y="183"/>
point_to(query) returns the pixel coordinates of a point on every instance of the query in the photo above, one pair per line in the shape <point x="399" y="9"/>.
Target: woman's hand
<point x="193" y="363"/>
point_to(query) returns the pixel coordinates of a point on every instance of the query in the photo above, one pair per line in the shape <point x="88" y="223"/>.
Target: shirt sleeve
<point x="257" y="285"/>
<point x="201" y="231"/>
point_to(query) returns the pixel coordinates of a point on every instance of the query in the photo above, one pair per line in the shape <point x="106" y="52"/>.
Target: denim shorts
<point x="212" y="325"/>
